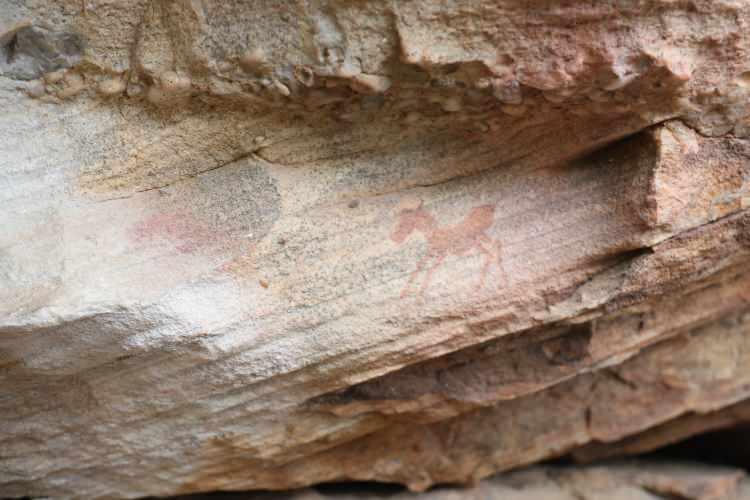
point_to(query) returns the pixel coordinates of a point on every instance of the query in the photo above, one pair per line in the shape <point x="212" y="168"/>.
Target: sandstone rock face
<point x="263" y="245"/>
<point x="617" y="481"/>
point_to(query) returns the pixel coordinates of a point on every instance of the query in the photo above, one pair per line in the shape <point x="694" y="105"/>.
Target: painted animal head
<point x="410" y="220"/>
<point x="404" y="227"/>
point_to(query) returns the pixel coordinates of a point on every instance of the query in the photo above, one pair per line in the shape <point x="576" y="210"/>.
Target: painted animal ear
<point x="409" y="202"/>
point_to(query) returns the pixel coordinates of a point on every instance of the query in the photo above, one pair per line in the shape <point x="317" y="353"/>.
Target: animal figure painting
<point x="442" y="241"/>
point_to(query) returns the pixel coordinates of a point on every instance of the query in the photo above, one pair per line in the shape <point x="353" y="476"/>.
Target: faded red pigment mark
<point x="460" y="239"/>
<point x="180" y="229"/>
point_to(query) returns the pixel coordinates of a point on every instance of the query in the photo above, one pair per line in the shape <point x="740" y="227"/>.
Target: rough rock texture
<point x="616" y="481"/>
<point x="272" y="243"/>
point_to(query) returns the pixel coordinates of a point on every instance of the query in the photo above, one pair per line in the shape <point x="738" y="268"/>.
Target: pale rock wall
<point x="267" y="244"/>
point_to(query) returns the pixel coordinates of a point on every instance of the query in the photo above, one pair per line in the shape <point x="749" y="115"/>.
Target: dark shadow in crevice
<point x="728" y="447"/>
<point x="350" y="488"/>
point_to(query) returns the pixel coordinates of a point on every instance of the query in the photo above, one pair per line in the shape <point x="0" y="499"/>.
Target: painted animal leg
<point x="430" y="272"/>
<point x="496" y="248"/>
<point x="499" y="261"/>
<point x="489" y="258"/>
<point x="487" y="245"/>
<point x="420" y="267"/>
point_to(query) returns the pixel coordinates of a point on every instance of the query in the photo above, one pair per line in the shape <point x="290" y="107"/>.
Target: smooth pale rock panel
<point x="237" y="237"/>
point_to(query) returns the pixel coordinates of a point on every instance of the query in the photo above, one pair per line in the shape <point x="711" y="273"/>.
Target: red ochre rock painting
<point x="459" y="239"/>
<point x="181" y="229"/>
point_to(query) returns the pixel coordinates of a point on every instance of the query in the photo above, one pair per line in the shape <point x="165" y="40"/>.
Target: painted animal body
<point x="460" y="239"/>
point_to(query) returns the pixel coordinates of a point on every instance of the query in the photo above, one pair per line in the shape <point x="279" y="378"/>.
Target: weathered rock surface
<point x="267" y="244"/>
<point x="617" y="481"/>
